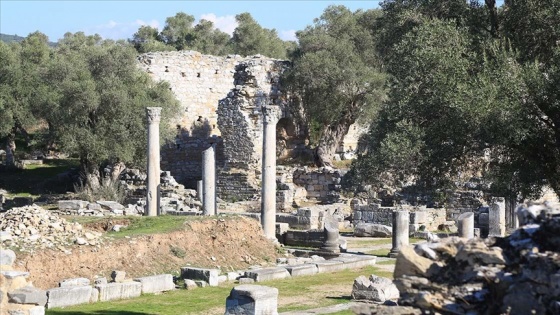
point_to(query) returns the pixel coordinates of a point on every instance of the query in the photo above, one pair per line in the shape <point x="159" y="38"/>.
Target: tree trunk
<point x="91" y="177"/>
<point x="491" y="5"/>
<point x="331" y="138"/>
<point x="19" y="127"/>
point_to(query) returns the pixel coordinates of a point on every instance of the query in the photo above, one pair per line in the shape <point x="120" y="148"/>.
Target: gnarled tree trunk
<point x="331" y="137"/>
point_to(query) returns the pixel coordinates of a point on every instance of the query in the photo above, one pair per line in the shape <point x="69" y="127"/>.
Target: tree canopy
<point x="470" y="89"/>
<point x="89" y="94"/>
<point x="180" y="33"/>
<point x="337" y="75"/>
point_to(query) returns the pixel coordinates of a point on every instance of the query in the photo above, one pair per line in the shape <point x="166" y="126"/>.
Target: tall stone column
<point x="401" y="220"/>
<point x="271" y="115"/>
<point x="209" y="180"/>
<point x="199" y="190"/>
<point x="153" y="115"/>
<point x="466" y="225"/>
<point x="497" y="217"/>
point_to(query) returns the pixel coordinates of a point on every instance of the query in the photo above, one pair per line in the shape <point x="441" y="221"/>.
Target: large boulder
<point x="372" y="230"/>
<point x="377" y="289"/>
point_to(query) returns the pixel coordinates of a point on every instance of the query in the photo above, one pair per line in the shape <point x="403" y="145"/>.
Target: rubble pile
<point x="32" y="227"/>
<point x="175" y="199"/>
<point x="518" y="274"/>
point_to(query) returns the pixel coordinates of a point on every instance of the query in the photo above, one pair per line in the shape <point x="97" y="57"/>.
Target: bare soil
<point x="230" y="244"/>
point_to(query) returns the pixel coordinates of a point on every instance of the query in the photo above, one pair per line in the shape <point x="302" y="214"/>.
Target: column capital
<point x="153" y="114"/>
<point x="271" y="113"/>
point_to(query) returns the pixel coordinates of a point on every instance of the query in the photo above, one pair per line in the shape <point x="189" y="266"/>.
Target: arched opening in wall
<point x="290" y="143"/>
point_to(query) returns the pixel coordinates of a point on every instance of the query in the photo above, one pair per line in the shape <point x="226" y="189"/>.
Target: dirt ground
<point x="230" y="244"/>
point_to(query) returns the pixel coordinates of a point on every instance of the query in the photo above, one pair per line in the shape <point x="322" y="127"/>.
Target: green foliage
<point x="336" y="74"/>
<point x="108" y="189"/>
<point x="249" y="38"/>
<point x="472" y="91"/>
<point x="177" y="251"/>
<point x="88" y="92"/>
<point x="180" y="33"/>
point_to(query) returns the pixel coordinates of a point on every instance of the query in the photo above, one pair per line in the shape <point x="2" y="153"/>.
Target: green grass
<point x="383" y="252"/>
<point x="386" y="262"/>
<point x="140" y="225"/>
<point x="31" y="181"/>
<point x="211" y="300"/>
<point x="358" y="243"/>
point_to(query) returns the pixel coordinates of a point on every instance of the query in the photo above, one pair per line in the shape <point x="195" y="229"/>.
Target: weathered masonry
<point x="221" y="102"/>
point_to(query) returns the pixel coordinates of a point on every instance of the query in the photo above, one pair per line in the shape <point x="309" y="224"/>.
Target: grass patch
<point x="359" y="243"/>
<point x="386" y="262"/>
<point x="382" y="252"/>
<point x="152" y="225"/>
<point x="356" y="243"/>
<point x="31" y="180"/>
<point x="306" y="292"/>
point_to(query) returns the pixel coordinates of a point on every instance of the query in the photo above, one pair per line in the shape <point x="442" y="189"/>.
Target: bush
<point x="109" y="189"/>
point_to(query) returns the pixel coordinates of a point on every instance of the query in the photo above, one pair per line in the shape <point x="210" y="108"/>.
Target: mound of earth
<point x="230" y="243"/>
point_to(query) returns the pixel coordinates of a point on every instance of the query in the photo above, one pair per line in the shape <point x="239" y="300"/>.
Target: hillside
<point x="15" y="38"/>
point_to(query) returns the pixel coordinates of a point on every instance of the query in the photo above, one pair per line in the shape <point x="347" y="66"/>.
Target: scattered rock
<point x="377" y="289"/>
<point x="518" y="274"/>
<point x="372" y="230"/>
<point x="33" y="227"/>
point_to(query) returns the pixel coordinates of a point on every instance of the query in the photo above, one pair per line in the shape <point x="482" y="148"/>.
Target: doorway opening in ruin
<point x="290" y="142"/>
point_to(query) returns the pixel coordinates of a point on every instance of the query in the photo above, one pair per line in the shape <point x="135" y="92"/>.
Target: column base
<point x="394" y="253"/>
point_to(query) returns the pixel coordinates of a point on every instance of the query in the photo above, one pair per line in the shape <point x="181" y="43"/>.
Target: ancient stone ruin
<point x="222" y="101"/>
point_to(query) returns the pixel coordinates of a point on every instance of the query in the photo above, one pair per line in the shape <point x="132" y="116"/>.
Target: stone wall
<point x="320" y="184"/>
<point x="431" y="218"/>
<point x="223" y="97"/>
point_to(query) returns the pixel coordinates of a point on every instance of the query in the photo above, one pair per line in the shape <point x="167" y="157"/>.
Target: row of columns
<point x="207" y="188"/>
<point x="401" y="228"/>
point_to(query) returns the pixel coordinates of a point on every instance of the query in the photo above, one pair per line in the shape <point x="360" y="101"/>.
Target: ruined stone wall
<point x="201" y="82"/>
<point x="320" y="184"/>
<point x="431" y="218"/>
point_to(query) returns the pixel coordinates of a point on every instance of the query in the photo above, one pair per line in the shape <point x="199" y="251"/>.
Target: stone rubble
<point x="518" y="274"/>
<point x="32" y="227"/>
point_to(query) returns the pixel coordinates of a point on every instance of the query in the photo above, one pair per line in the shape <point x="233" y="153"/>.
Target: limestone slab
<point x="28" y="295"/>
<point x="157" y="283"/>
<point x="302" y="270"/>
<point x="67" y="296"/>
<point x="266" y="274"/>
<point x="117" y="291"/>
<point x="74" y="282"/>
<point x="329" y="266"/>
<point x="356" y="261"/>
<point x="208" y="275"/>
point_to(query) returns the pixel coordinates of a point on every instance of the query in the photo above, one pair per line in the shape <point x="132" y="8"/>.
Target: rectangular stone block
<point x="74" y="282"/>
<point x="67" y="296"/>
<point x="355" y="261"/>
<point x="302" y="270"/>
<point x="117" y="291"/>
<point x="72" y="204"/>
<point x="208" y="275"/>
<point x="329" y="266"/>
<point x="266" y="274"/>
<point x="156" y="284"/>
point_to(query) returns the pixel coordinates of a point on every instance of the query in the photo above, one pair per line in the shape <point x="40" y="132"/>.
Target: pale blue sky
<point x="120" y="19"/>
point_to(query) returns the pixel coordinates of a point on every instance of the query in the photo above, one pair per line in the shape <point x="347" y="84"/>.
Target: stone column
<point x="154" y="115"/>
<point x="401" y="220"/>
<point x="497" y="217"/>
<point x="466" y="225"/>
<point x="209" y="181"/>
<point x="199" y="190"/>
<point x="332" y="235"/>
<point x="271" y="115"/>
